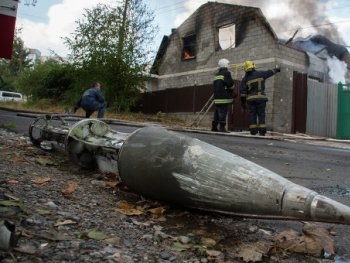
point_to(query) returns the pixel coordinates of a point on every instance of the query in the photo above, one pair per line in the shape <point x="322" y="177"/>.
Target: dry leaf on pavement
<point x="72" y="186"/>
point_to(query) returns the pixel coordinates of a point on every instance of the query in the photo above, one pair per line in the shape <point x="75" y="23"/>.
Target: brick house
<point x="187" y="59"/>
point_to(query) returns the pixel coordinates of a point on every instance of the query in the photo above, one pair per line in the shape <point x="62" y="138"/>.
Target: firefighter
<point x="223" y="87"/>
<point x="252" y="92"/>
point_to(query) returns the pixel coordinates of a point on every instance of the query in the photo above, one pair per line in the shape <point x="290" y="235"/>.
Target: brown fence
<point x="190" y="100"/>
<point x="187" y="99"/>
<point x="313" y="112"/>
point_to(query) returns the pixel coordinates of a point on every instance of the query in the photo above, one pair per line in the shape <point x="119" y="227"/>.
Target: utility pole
<point x="30" y="2"/>
<point x="123" y="29"/>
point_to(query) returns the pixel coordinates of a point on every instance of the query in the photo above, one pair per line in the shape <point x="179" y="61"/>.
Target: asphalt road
<point x="322" y="168"/>
<point x="314" y="166"/>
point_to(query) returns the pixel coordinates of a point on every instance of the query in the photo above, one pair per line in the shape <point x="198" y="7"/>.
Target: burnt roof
<point x="252" y="12"/>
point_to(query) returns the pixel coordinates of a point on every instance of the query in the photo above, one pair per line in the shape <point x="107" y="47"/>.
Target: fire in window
<point x="227" y="36"/>
<point x="189" y="47"/>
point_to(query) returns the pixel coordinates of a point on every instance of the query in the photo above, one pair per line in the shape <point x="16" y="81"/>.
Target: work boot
<point x="262" y="131"/>
<point x="214" y="126"/>
<point x="222" y="127"/>
<point x="253" y="131"/>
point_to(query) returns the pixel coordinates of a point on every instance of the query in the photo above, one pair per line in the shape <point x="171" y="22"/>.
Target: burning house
<point x="187" y="60"/>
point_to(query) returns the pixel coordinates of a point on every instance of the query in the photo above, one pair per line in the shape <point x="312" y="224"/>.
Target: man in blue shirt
<point x="92" y="100"/>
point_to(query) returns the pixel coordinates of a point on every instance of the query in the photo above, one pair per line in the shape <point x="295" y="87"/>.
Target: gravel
<point x="63" y="213"/>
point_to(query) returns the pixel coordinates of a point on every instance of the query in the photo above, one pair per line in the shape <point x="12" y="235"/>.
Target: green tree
<point x="112" y="45"/>
<point x="9" y="69"/>
<point x="48" y="80"/>
<point x="20" y="59"/>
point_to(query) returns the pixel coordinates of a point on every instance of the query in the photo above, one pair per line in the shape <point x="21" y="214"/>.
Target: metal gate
<point x="343" y="117"/>
<point x="299" y="103"/>
<point x="321" y="109"/>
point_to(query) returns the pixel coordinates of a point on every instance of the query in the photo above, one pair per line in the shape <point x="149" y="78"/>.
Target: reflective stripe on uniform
<point x="223" y="101"/>
<point x="258" y="80"/>
<point x="256" y="97"/>
<point x="219" y="77"/>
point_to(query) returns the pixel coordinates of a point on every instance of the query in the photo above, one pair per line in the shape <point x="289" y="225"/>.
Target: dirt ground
<point x="63" y="213"/>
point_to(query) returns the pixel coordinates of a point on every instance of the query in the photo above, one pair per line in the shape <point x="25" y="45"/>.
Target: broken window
<point x="227" y="36"/>
<point x="189" y="47"/>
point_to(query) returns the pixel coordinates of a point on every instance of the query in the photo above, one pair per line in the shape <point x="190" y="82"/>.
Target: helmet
<point x="223" y="63"/>
<point x="248" y="65"/>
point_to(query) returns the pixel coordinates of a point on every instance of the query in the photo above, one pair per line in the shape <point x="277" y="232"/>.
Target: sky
<point x="44" y="25"/>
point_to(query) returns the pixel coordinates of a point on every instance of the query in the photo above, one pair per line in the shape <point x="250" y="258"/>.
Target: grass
<point x="8" y="125"/>
<point x="46" y="106"/>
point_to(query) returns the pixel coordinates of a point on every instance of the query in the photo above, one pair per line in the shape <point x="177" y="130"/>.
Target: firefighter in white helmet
<point x="252" y="92"/>
<point x="223" y="86"/>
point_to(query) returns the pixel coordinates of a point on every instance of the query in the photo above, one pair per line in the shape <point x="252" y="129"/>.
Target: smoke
<point x="337" y="69"/>
<point x="313" y="12"/>
<point x="286" y="16"/>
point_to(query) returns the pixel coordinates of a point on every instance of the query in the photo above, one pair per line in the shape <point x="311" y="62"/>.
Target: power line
<point x="34" y="16"/>
<point x="166" y="6"/>
<point x="316" y="26"/>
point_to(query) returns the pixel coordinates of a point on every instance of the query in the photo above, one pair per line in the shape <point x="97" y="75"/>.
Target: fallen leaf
<point x="43" y="212"/>
<point x="253" y="252"/>
<point x="27" y="249"/>
<point x="126" y="208"/>
<point x="320" y="238"/>
<point x="113" y="241"/>
<point x="44" y="161"/>
<point x="180" y="247"/>
<point x="124" y="205"/>
<point x="208" y="242"/>
<point x="65" y="222"/>
<point x="314" y="241"/>
<point x="111" y="184"/>
<point x="129" y="212"/>
<point x="160" y="219"/>
<point x="213" y="253"/>
<point x="93" y="234"/>
<point x="10" y="196"/>
<point x="147" y="223"/>
<point x="41" y="181"/>
<point x="52" y="236"/>
<point x="12" y="181"/>
<point x="72" y="186"/>
<point x="249" y="254"/>
<point x="16" y="203"/>
<point x="158" y="211"/>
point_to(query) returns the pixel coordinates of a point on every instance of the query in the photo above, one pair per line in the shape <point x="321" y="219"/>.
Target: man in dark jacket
<point x="252" y="92"/>
<point x="223" y="87"/>
<point x="92" y="100"/>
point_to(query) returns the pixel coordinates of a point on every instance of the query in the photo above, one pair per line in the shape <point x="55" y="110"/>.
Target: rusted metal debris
<point x="175" y="168"/>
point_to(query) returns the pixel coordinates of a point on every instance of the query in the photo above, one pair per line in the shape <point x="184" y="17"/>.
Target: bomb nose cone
<point x="324" y="208"/>
<point x="303" y="203"/>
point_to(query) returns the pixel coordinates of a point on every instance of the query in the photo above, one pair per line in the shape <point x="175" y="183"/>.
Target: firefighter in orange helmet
<point x="252" y="92"/>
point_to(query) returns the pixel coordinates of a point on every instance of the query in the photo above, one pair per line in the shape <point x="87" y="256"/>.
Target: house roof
<point x="256" y="12"/>
<point x="321" y="46"/>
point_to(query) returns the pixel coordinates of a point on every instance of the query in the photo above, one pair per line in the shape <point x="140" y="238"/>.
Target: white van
<point x="9" y="95"/>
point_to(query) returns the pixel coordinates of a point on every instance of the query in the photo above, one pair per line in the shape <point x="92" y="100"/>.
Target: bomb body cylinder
<point x="175" y="168"/>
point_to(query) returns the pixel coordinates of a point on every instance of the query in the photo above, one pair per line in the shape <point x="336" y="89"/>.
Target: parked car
<point x="10" y="96"/>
